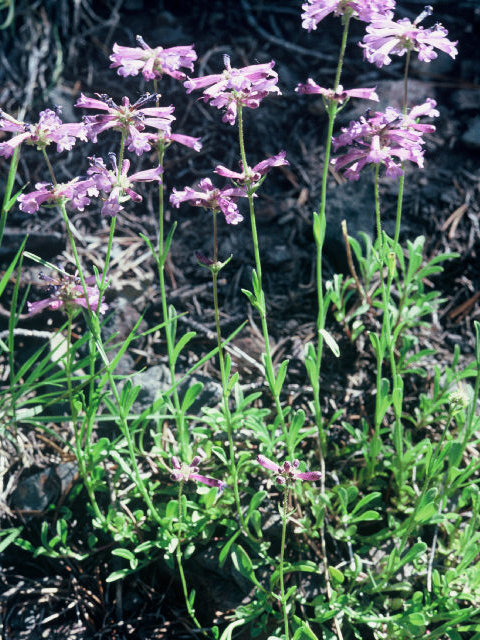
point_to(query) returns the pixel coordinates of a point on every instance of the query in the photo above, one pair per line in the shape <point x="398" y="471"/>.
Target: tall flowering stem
<point x="169" y="332"/>
<point x="260" y="299"/>
<point x="319" y="223"/>
<point x="182" y="472"/>
<point x="286" y="475"/>
<point x="215" y="268"/>
<point x="178" y="553"/>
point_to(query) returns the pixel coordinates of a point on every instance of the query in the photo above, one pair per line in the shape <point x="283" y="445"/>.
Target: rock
<point x="35" y="492"/>
<point x="157" y="380"/>
<point x="471" y="137"/>
<point x="466" y="99"/>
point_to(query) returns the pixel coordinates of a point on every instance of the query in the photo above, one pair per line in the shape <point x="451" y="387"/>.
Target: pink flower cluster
<point x="384" y="138"/>
<point x="49" y="129"/>
<point x="288" y="472"/>
<point x="118" y="184"/>
<point x="253" y="174"/>
<point x="130" y="119"/>
<point x="247" y="86"/>
<point x="314" y="11"/>
<point x="213" y="198"/>
<point x="77" y="193"/>
<point x="182" y="472"/>
<point x="153" y="63"/>
<point x="67" y="291"/>
<point x="340" y="95"/>
<point x="386" y="37"/>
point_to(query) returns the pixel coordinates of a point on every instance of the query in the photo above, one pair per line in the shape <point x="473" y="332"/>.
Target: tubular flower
<point x="247" y="86"/>
<point x="153" y="63"/>
<point x="386" y="37"/>
<point x="288" y="472"/>
<point x="253" y="174"/>
<point x="210" y="197"/>
<point x="384" y="138"/>
<point x="67" y="290"/>
<point x="48" y="129"/>
<point x="340" y="95"/>
<point x="76" y="193"/>
<point x="168" y="138"/>
<point x="182" y="472"/>
<point x="117" y="184"/>
<point x="314" y="11"/>
<point x="131" y="119"/>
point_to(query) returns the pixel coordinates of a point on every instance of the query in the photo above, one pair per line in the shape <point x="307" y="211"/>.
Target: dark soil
<point x="55" y="50"/>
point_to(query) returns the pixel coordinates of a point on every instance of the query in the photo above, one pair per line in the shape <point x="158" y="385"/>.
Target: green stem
<point x="280" y="565"/>
<point x="321" y="315"/>
<point x="268" y="362"/>
<point x="49" y="166"/>
<point x="190" y="609"/>
<point x="221" y="359"/>
<point x="170" y="338"/>
<point x="77" y="434"/>
<point x="12" y="172"/>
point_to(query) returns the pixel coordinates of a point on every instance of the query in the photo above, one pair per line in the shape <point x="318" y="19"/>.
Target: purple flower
<point x="252" y="175"/>
<point x="340" y="95"/>
<point x="76" y="192"/>
<point x="387" y="138"/>
<point x="386" y="37"/>
<point x="153" y="63"/>
<point x="66" y="291"/>
<point x="247" y="86"/>
<point x="168" y="138"/>
<point x="48" y="129"/>
<point x="131" y="119"/>
<point x="210" y="197"/>
<point x="288" y="472"/>
<point x="183" y="472"/>
<point x="118" y="184"/>
<point x="366" y="10"/>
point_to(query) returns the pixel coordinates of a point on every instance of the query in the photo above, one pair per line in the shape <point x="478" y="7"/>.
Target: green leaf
<point x="331" y="342"/>
<point x="304" y="633"/>
<point x="8" y="272"/>
<point x="184" y="340"/>
<point x="336" y="574"/>
<point x="123" y="553"/>
<point x="226" y="548"/>
<point x="190" y="396"/>
<point x="243" y="564"/>
<point x="280" y="377"/>
<point x="9" y="535"/>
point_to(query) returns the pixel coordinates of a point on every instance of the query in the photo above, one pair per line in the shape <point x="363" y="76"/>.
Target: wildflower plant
<point x="386" y="527"/>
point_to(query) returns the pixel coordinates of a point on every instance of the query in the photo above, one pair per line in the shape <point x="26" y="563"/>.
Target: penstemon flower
<point x="130" y="119"/>
<point x="288" y="472"/>
<point x="386" y="37"/>
<point x="384" y="138"/>
<point x="314" y="11"/>
<point x="340" y="95"/>
<point x="118" y="184"/>
<point x="213" y="198"/>
<point x="153" y="63"/>
<point x="48" y="129"/>
<point x="168" y="138"/>
<point x="247" y="86"/>
<point x="253" y="174"/>
<point x="67" y="290"/>
<point x="76" y="193"/>
<point x="182" y="472"/>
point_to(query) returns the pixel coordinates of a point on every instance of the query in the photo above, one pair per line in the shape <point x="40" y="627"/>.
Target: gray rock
<point x="471" y="137"/>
